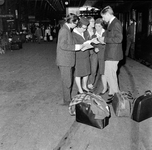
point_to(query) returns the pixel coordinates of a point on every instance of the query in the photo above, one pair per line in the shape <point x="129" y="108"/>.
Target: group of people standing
<point x="83" y="44"/>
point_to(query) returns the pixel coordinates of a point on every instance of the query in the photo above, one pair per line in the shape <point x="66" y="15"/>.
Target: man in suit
<point x="113" y="50"/>
<point x="130" y="39"/>
<point x="65" y="56"/>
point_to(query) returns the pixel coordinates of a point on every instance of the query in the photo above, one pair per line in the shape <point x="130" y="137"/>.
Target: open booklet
<point x="88" y="43"/>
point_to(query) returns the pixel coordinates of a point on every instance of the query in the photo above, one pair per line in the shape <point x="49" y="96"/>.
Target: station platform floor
<point x="33" y="117"/>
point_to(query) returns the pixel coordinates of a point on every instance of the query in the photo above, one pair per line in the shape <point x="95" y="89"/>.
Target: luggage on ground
<point x="15" y="47"/>
<point x="90" y="109"/>
<point x="142" y="108"/>
<point x="122" y="104"/>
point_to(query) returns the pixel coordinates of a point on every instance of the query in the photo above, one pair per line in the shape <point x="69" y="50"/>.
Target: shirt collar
<point x="111" y="20"/>
<point x="76" y="31"/>
<point x="68" y="26"/>
<point x="97" y="34"/>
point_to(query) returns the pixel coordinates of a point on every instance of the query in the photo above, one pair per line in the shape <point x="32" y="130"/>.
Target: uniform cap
<point x="84" y="21"/>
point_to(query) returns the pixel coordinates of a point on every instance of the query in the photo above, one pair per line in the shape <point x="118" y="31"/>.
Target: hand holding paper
<point x="96" y="50"/>
<point x="95" y="41"/>
<point x="101" y="39"/>
<point x="86" y="46"/>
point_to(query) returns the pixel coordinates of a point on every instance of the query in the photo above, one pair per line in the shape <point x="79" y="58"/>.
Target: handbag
<point x="90" y="109"/>
<point x="45" y="38"/>
<point x="85" y="115"/>
<point x="142" y="107"/>
<point x="122" y="104"/>
<point x="51" y="37"/>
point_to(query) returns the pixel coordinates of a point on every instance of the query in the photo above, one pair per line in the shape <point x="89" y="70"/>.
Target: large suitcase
<point x="15" y="47"/>
<point x="122" y="104"/>
<point x="85" y="115"/>
<point x="142" y="108"/>
<point x="90" y="109"/>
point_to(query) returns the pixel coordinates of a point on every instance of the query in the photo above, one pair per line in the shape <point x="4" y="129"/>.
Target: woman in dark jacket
<point x="82" y="67"/>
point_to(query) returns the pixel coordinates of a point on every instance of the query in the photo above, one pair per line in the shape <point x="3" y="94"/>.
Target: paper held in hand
<point x="86" y="46"/>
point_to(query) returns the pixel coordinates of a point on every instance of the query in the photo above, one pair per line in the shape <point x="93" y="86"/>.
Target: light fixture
<point x="66" y="3"/>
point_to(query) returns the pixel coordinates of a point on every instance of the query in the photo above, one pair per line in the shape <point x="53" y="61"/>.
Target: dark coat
<point x="65" y="54"/>
<point x="113" y="40"/>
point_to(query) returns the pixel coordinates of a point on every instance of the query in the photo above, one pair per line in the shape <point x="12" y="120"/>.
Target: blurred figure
<point x="130" y="49"/>
<point x="113" y="50"/>
<point x="38" y="34"/>
<point x="32" y="28"/>
<point x="47" y="34"/>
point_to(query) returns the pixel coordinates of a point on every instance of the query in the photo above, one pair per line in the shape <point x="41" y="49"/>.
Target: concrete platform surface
<point x="32" y="116"/>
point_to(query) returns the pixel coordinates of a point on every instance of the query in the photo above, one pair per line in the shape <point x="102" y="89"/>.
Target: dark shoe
<point x="79" y="92"/>
<point x="110" y="99"/>
<point x="86" y="91"/>
<point x="110" y="95"/>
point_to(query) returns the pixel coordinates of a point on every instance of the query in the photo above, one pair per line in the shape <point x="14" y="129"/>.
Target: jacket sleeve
<point x="114" y="35"/>
<point x="66" y="41"/>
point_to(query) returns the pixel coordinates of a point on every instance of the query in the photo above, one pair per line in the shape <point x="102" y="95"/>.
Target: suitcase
<point x="142" y="107"/>
<point x="85" y="115"/>
<point x="15" y="47"/>
<point x="122" y="104"/>
<point x="90" y="109"/>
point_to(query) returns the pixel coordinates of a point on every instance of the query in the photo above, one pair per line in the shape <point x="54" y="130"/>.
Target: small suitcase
<point x="85" y="115"/>
<point x="122" y="104"/>
<point x="142" y="108"/>
<point x="15" y="47"/>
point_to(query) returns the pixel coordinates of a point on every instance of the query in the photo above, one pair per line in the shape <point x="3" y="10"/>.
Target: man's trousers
<point x="110" y="74"/>
<point x="67" y="78"/>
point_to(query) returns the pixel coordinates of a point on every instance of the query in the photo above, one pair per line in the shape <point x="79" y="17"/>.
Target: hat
<point x="99" y="21"/>
<point x="84" y="21"/>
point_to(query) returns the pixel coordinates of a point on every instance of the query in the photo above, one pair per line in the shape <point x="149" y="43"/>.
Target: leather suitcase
<point x="122" y="104"/>
<point x="142" y="108"/>
<point x="85" y="115"/>
<point x="15" y="47"/>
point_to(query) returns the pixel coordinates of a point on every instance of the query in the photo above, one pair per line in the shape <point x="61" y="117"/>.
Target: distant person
<point x="65" y="56"/>
<point x="130" y="48"/>
<point x="38" y="34"/>
<point x="113" y="50"/>
<point x="47" y="34"/>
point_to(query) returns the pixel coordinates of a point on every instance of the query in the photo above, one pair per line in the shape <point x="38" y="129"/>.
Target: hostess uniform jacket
<point x="65" y="55"/>
<point x="113" y="40"/>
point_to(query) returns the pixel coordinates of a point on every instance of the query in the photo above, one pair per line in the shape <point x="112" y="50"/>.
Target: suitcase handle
<point x="148" y="92"/>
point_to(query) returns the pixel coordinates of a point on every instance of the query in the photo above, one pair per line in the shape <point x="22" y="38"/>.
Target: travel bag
<point x="90" y="109"/>
<point x="85" y="115"/>
<point x="122" y="104"/>
<point x="142" y="107"/>
<point x="15" y="47"/>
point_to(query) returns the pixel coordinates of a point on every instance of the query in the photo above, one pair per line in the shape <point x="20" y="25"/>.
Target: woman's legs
<point x="104" y="83"/>
<point x="84" y="83"/>
<point x="78" y="83"/>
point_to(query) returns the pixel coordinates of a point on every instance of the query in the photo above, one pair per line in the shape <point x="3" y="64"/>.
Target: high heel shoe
<point x="102" y="93"/>
<point x="86" y="91"/>
<point x="80" y="93"/>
